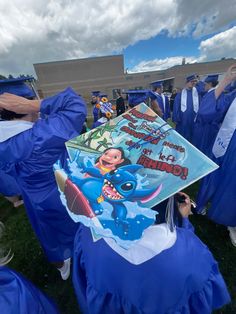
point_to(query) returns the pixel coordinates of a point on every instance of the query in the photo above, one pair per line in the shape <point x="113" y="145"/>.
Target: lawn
<point x="30" y="261"/>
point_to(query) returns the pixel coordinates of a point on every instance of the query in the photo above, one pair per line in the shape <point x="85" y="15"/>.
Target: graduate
<point x="94" y="101"/>
<point x="29" y="157"/>
<point x="136" y="97"/>
<point x="9" y="187"/>
<point x="105" y="112"/>
<point x="162" y="100"/>
<point x="186" y="106"/>
<point x="210" y="115"/>
<point x="120" y="104"/>
<point x="219" y="187"/>
<point x="18" y="295"/>
<point x="169" y="270"/>
<point x="200" y="86"/>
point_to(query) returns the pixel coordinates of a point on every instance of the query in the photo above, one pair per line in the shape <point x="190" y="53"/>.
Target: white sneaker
<point x="65" y="269"/>
<point x="232" y="235"/>
<point x="204" y="211"/>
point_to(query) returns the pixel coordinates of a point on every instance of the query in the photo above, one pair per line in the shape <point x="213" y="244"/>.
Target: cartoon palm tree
<point x="103" y="143"/>
<point x="108" y="128"/>
<point x="94" y="135"/>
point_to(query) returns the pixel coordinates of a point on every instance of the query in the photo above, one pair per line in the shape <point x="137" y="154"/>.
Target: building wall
<point x="84" y="75"/>
<point x="106" y="74"/>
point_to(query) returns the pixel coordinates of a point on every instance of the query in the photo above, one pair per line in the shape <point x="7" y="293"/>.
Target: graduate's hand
<point x="185" y="207"/>
<point x="231" y="73"/>
<point x="229" y="77"/>
<point x="19" y="104"/>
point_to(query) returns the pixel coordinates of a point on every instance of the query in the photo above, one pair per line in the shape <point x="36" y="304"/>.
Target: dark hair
<point x="11" y="115"/>
<point x="124" y="163"/>
<point x="214" y="83"/>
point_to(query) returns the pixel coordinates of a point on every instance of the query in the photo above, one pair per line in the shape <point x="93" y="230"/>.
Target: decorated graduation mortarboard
<point x="211" y="78"/>
<point x="102" y="95"/>
<point x="157" y="84"/>
<point x="136" y="97"/>
<point x="95" y="93"/>
<point x="113" y="192"/>
<point x="191" y="77"/>
<point x="17" y="86"/>
<point x="105" y="107"/>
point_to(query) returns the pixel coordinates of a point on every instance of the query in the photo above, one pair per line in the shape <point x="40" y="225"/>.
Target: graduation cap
<point x="211" y="78"/>
<point x="95" y="93"/>
<point x="102" y="95"/>
<point x="191" y="77"/>
<point x="17" y="86"/>
<point x="105" y="107"/>
<point x="136" y="97"/>
<point x="157" y="84"/>
<point x="152" y="95"/>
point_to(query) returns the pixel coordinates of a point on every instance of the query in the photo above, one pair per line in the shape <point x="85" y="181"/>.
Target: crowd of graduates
<point x="167" y="271"/>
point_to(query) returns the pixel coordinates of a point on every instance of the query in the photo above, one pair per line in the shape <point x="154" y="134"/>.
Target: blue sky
<point x="153" y="35"/>
<point x="160" y="47"/>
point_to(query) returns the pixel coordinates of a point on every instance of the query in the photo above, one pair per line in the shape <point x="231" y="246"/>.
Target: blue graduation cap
<point x="95" y="93"/>
<point x="211" y="78"/>
<point x="157" y="84"/>
<point x="17" y="86"/>
<point x="136" y="97"/>
<point x="152" y="95"/>
<point x="191" y="77"/>
<point x="102" y="95"/>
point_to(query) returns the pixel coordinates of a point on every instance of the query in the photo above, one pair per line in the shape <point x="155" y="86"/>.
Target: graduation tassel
<point x="170" y="213"/>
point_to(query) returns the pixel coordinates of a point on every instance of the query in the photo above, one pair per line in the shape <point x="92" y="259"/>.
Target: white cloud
<point x="48" y="30"/>
<point x="218" y="46"/>
<point x="202" y="17"/>
<point x="160" y="64"/>
<point x="222" y="45"/>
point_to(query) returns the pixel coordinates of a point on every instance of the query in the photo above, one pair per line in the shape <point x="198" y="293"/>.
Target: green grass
<point x="30" y="261"/>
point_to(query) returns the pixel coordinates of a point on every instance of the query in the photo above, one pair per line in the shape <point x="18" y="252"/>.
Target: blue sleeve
<point x="64" y="117"/>
<point x="167" y="108"/>
<point x="176" y="109"/>
<point x="18" y="295"/>
<point x="66" y="113"/>
<point x="186" y="224"/>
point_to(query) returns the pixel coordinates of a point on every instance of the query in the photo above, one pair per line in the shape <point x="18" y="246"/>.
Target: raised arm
<point x="229" y="77"/>
<point x="64" y="117"/>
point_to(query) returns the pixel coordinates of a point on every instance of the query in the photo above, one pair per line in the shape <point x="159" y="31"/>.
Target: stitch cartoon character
<point x="115" y="188"/>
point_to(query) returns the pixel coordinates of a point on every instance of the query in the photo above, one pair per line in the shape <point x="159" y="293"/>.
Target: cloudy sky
<point x="152" y="34"/>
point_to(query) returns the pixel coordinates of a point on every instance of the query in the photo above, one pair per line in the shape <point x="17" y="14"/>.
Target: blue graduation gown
<point x="184" y="120"/>
<point x="99" y="122"/>
<point x="29" y="157"/>
<point x="219" y="186"/>
<point x="223" y="201"/>
<point x="95" y="113"/>
<point x="182" y="279"/>
<point x="8" y="185"/>
<point x="19" y="296"/>
<point x="200" y="86"/>
<point x="165" y="109"/>
<point x="208" y="120"/>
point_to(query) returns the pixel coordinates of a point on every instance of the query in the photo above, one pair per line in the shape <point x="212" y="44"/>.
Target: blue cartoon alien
<point x="114" y="187"/>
